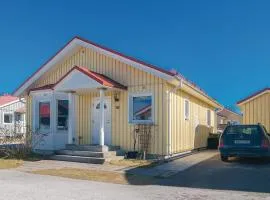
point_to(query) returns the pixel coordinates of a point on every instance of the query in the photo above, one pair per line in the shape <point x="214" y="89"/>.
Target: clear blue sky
<point x="223" y="46"/>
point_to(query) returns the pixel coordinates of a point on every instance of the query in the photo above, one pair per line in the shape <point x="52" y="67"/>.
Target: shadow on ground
<point x="245" y="174"/>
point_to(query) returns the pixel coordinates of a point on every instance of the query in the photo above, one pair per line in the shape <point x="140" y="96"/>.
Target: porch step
<point x="80" y="153"/>
<point x="80" y="159"/>
<point x="94" y="148"/>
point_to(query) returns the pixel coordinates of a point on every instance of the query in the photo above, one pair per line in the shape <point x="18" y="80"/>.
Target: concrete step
<point x="94" y="148"/>
<point x="82" y="153"/>
<point x="80" y="159"/>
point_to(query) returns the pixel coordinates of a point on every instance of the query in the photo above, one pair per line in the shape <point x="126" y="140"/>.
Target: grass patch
<point x="97" y="175"/>
<point x="10" y="163"/>
<point x="133" y="163"/>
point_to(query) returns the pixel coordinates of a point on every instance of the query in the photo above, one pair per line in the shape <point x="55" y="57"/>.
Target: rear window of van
<point x="248" y="129"/>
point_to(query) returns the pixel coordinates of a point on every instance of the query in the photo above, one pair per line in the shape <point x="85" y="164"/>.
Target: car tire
<point x="224" y="158"/>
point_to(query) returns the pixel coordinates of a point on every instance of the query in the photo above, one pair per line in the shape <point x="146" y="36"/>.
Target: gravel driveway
<point x="21" y="185"/>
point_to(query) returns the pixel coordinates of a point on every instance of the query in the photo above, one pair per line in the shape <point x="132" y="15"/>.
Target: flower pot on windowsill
<point x="132" y="154"/>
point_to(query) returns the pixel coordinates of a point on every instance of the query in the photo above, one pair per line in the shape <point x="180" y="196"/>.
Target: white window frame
<point x="41" y="96"/>
<point x="209" y="120"/>
<point x="186" y="117"/>
<point x="9" y="113"/>
<point x="38" y="114"/>
<point x="51" y="97"/>
<point x="56" y="112"/>
<point x="130" y="108"/>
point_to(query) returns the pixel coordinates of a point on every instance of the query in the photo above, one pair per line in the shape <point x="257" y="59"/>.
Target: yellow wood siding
<point x="28" y="106"/>
<point x="257" y="110"/>
<point x="191" y="133"/>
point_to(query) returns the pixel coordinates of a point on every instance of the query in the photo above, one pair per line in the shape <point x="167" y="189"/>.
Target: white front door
<point x="96" y="121"/>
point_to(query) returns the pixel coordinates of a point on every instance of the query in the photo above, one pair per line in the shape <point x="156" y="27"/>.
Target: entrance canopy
<point x="83" y="79"/>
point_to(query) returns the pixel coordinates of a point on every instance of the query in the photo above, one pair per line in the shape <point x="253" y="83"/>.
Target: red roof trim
<point x="99" y="46"/>
<point x="253" y="95"/>
<point x="45" y="87"/>
<point x="100" y="78"/>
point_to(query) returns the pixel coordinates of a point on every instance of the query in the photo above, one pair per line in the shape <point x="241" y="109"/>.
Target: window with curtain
<point x="44" y="115"/>
<point x="186" y="109"/>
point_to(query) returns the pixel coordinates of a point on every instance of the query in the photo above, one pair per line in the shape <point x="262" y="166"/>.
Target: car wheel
<point x="224" y="158"/>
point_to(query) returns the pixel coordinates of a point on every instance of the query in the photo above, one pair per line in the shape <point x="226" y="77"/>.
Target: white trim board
<point x="77" y="80"/>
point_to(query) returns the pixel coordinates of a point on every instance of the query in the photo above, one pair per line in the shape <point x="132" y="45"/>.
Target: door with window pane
<point x="96" y="121"/>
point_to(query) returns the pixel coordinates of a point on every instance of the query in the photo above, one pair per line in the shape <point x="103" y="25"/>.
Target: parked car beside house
<point x="244" y="141"/>
<point x="89" y="94"/>
<point x="256" y="108"/>
<point x="12" y="115"/>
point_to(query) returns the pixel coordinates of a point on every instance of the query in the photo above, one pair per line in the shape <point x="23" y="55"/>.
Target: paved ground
<point x="248" y="175"/>
<point x="199" y="176"/>
<point x="25" y="186"/>
<point x="176" y="166"/>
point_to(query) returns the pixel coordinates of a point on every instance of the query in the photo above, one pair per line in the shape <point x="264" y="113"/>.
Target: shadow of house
<point x="247" y="175"/>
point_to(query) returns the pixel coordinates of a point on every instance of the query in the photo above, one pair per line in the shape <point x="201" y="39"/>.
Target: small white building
<point x="12" y="115"/>
<point x="226" y="116"/>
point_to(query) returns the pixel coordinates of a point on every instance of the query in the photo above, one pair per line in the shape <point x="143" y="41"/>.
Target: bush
<point x="19" y="145"/>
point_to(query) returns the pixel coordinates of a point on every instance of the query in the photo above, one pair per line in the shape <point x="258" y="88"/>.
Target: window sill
<point x="142" y="122"/>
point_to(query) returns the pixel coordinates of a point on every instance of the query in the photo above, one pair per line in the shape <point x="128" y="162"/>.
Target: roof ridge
<point x="254" y="94"/>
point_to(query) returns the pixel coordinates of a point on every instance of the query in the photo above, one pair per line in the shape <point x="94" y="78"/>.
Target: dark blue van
<point x="244" y="141"/>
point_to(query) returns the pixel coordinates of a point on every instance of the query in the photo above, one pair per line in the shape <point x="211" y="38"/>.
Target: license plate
<point x="241" y="141"/>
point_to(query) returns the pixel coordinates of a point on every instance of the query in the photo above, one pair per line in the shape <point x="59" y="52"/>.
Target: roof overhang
<point x="253" y="96"/>
<point x="226" y="112"/>
<point x="196" y="92"/>
<point x="77" y="42"/>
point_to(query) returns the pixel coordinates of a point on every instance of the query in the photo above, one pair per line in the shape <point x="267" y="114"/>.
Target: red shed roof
<point x="5" y="99"/>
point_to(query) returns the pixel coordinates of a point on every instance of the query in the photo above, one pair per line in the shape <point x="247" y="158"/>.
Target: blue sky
<point x="223" y="46"/>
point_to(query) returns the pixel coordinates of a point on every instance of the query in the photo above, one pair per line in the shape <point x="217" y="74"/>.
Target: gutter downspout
<point x="173" y="90"/>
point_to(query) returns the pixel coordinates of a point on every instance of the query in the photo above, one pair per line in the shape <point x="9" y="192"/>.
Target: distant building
<point x="256" y="108"/>
<point x="226" y="116"/>
<point x="12" y="115"/>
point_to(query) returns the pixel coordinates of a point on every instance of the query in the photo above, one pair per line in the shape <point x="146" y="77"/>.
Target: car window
<point x="248" y="130"/>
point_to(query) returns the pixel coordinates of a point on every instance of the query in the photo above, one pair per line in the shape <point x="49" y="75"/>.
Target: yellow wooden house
<point x="92" y="95"/>
<point x="256" y="108"/>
